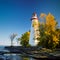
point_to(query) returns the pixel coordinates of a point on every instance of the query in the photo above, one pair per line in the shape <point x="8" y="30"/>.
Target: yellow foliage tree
<point x="48" y="33"/>
<point x="50" y="22"/>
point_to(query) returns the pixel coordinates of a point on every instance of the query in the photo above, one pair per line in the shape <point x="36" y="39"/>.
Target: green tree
<point x="24" y="39"/>
<point x="58" y="35"/>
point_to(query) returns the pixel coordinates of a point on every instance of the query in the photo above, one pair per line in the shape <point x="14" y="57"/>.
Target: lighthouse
<point x="34" y="32"/>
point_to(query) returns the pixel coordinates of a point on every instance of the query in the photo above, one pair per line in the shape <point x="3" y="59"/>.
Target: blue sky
<point x="15" y="15"/>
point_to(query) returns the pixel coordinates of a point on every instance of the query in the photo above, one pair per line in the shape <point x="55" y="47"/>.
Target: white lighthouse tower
<point x="34" y="34"/>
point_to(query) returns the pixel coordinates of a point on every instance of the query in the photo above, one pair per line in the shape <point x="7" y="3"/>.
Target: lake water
<point x="13" y="56"/>
<point x="18" y="57"/>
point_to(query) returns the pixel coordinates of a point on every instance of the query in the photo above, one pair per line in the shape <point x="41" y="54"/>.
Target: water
<point x="1" y="47"/>
<point x="12" y="56"/>
<point x="16" y="57"/>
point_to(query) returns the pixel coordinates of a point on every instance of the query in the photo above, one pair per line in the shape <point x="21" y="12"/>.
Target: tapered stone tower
<point x="34" y="34"/>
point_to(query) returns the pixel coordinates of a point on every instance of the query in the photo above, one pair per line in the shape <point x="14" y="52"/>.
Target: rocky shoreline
<point x="35" y="52"/>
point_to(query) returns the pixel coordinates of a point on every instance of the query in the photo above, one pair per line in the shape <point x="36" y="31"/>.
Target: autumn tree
<point x="48" y="31"/>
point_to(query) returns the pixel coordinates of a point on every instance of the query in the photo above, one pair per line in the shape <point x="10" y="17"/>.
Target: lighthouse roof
<point x="34" y="16"/>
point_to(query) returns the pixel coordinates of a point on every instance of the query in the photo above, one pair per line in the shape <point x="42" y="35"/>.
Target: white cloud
<point x="8" y="43"/>
<point x="4" y="42"/>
